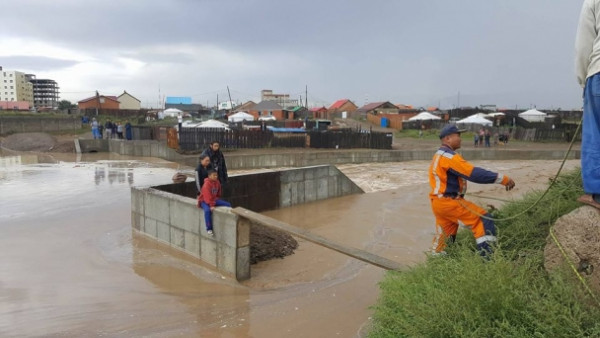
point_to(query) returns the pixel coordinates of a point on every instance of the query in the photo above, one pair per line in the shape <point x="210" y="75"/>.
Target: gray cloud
<point x="34" y="63"/>
<point x="508" y="52"/>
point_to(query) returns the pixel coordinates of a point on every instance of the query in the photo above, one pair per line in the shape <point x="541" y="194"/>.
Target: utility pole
<point x="230" y="102"/>
<point x="306" y="97"/>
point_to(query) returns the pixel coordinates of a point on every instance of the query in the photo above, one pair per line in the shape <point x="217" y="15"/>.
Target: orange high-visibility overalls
<point x="448" y="176"/>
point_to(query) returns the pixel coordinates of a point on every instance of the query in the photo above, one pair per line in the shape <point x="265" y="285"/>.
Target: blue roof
<point x="286" y="130"/>
<point x="179" y="100"/>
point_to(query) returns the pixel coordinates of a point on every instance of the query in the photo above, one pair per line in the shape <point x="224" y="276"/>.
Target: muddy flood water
<point x="70" y="264"/>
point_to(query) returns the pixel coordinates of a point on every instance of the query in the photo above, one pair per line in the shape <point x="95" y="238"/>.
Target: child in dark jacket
<point x="209" y="198"/>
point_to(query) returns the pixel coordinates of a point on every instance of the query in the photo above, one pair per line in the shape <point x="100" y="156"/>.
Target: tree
<point x="65" y="104"/>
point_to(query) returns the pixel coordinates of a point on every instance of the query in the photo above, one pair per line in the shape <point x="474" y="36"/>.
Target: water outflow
<point x="71" y="265"/>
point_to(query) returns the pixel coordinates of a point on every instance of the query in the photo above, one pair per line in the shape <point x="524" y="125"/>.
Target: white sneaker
<point x="210" y="233"/>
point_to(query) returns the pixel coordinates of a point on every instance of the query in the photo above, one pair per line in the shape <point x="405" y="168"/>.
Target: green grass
<point x="511" y="295"/>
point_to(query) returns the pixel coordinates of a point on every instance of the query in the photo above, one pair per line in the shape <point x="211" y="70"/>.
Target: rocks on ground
<point x="579" y="234"/>
<point x="267" y="243"/>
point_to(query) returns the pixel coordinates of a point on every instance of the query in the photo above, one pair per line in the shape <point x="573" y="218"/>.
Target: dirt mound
<point x="267" y="243"/>
<point x="579" y="234"/>
<point x="39" y="142"/>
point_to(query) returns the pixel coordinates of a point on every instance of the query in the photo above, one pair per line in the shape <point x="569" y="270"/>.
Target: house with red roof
<point x="318" y="112"/>
<point x="100" y="102"/>
<point x="343" y="105"/>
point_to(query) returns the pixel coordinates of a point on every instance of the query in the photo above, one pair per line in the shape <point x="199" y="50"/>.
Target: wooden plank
<point x="304" y="234"/>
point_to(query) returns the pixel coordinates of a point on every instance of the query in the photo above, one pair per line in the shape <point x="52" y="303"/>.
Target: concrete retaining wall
<point x="31" y="124"/>
<point x="312" y="157"/>
<point x="168" y="214"/>
<point x="177" y="221"/>
<point x="278" y="189"/>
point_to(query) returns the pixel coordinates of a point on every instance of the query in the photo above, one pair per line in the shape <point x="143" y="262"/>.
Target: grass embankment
<point x="511" y="295"/>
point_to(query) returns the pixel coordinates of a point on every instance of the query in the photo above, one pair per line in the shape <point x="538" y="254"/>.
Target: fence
<point x="149" y="133"/>
<point x="191" y="139"/>
<point x="195" y="139"/>
<point x="347" y="140"/>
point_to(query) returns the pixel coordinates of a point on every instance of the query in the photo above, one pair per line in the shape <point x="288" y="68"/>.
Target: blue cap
<point x="450" y="129"/>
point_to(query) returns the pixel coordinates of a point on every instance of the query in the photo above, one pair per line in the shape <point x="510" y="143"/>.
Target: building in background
<point x="99" y="102"/>
<point x="14" y="86"/>
<point x="128" y="102"/>
<point x="283" y="100"/>
<point x="45" y="92"/>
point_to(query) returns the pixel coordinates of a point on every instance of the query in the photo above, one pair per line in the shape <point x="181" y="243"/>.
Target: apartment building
<point x="45" y="92"/>
<point x="283" y="100"/>
<point x="14" y="86"/>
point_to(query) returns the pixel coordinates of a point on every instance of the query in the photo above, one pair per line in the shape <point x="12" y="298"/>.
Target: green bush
<point x="509" y="295"/>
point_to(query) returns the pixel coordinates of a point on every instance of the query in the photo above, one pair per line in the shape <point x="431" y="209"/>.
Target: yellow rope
<point x="581" y="279"/>
<point x="542" y="196"/>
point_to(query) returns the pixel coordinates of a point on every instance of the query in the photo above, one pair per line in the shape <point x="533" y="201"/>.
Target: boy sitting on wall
<point x="209" y="198"/>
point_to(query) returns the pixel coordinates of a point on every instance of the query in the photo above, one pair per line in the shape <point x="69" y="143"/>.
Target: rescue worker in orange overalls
<point x="448" y="176"/>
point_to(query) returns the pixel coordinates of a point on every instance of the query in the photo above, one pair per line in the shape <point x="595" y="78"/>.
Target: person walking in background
<point x="487" y="136"/>
<point x="114" y="130"/>
<point x="448" y="176"/>
<point x="476" y="139"/>
<point x="209" y="198"/>
<point x="95" y="130"/>
<point x="587" y="68"/>
<point x="120" y="130"/>
<point x="108" y="129"/>
<point x="128" y="131"/>
<point x="218" y="161"/>
<point x="481" y="136"/>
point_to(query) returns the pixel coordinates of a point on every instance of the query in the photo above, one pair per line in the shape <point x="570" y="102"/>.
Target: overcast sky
<point x="505" y="52"/>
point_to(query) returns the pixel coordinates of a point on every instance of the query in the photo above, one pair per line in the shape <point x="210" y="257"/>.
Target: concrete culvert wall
<point x="169" y="214"/>
<point x="579" y="235"/>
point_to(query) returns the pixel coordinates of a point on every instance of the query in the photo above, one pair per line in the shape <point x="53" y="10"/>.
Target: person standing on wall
<point x="217" y="160"/>
<point x="202" y="171"/>
<point x="95" y="130"/>
<point x="587" y="68"/>
<point x="128" y="131"/>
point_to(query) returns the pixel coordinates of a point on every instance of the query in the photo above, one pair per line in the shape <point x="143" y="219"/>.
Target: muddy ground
<point x="39" y="142"/>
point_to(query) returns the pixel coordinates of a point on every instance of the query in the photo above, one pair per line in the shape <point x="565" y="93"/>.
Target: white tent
<point x="495" y="114"/>
<point x="172" y="112"/>
<point x="424" y="116"/>
<point x="213" y="124"/>
<point x="241" y="116"/>
<point x="533" y="115"/>
<point x="475" y="119"/>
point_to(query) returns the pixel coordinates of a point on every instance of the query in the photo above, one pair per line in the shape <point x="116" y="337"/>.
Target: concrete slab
<point x="208" y="251"/>
<point x="285" y="196"/>
<point x="163" y="232"/>
<point x="156" y="206"/>
<point x="137" y="221"/>
<point x="150" y="227"/>
<point x="185" y="215"/>
<point x="225" y="226"/>
<point x="177" y="238"/>
<point x="323" y="187"/>
<point x="243" y="263"/>
<point x="243" y="232"/>
<point x="226" y="258"/>
<point x="310" y="191"/>
<point x="137" y="200"/>
<point x="192" y="243"/>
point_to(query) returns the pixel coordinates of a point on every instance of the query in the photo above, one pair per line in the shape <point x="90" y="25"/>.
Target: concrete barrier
<point x="169" y="213"/>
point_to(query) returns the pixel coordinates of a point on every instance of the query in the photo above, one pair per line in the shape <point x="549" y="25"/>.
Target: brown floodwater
<point x="70" y="264"/>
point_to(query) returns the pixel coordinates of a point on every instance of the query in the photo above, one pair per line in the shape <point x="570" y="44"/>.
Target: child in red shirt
<point x="209" y="198"/>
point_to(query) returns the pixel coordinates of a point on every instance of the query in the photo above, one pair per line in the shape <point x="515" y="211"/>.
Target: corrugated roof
<point x="114" y="98"/>
<point x="267" y="105"/>
<point x="372" y="106"/>
<point x="316" y="109"/>
<point x="337" y="104"/>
